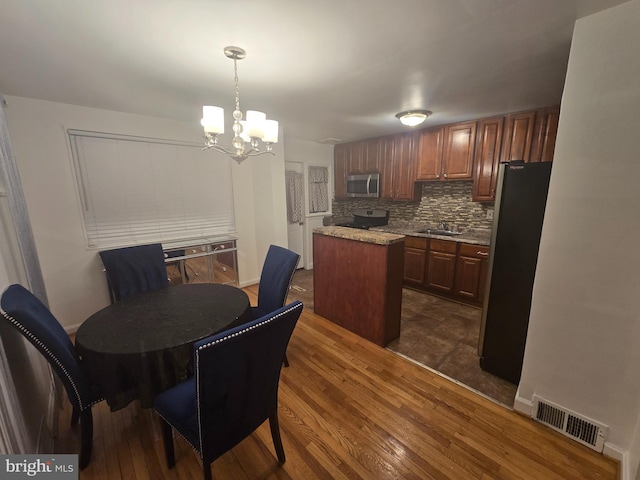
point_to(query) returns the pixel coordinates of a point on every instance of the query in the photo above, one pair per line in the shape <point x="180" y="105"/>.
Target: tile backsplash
<point x="449" y="202"/>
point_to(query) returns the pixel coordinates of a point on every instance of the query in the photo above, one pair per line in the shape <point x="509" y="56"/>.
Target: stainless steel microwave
<point x="363" y="185"/>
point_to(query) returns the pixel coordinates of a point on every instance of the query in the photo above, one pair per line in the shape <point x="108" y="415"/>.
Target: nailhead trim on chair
<point x="55" y="359"/>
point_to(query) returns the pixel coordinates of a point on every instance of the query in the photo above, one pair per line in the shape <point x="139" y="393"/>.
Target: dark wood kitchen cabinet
<point x="518" y="136"/>
<point x="398" y="167"/>
<point x="487" y="158"/>
<point x="455" y="270"/>
<point x="545" y="133"/>
<point x="348" y="158"/>
<point x="459" y="147"/>
<point x="430" y="149"/>
<point x="441" y="266"/>
<point x="405" y="164"/>
<point x="415" y="260"/>
<point x="373" y="153"/>
<point x="471" y="272"/>
<point x="446" y="153"/>
<point x="340" y="169"/>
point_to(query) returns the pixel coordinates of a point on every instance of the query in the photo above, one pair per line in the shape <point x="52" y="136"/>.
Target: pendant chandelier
<point x="247" y="133"/>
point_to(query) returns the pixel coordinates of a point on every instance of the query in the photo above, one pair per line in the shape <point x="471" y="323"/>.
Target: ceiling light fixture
<point x="247" y="133"/>
<point x="412" y="118"/>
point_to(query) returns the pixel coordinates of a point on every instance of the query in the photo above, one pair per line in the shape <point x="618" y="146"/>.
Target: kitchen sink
<point x="433" y="231"/>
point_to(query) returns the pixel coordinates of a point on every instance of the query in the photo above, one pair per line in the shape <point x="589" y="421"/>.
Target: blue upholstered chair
<point x="234" y="389"/>
<point x="275" y="281"/>
<point x="132" y="270"/>
<point x="37" y="324"/>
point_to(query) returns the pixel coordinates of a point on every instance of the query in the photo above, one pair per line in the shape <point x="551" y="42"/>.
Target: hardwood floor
<point x="352" y="410"/>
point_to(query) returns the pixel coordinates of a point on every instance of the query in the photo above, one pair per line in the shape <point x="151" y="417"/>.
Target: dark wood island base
<point x="357" y="280"/>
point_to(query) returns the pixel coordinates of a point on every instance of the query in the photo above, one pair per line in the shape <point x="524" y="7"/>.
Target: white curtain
<point x="295" y="196"/>
<point x="318" y="189"/>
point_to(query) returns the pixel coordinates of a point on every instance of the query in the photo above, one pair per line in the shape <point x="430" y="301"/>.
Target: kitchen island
<point x="357" y="278"/>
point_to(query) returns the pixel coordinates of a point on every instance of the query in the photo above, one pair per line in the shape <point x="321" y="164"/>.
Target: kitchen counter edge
<point x="465" y="237"/>
<point x="369" y="236"/>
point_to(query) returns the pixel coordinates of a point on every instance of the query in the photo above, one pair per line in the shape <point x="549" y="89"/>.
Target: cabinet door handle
<point x="438" y="176"/>
<point x="445" y="175"/>
<point x="483" y="254"/>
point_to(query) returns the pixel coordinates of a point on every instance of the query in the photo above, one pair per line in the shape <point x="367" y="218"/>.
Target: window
<point x="138" y="190"/>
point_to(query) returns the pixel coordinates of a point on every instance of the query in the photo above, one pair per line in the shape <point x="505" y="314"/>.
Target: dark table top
<point x="140" y="346"/>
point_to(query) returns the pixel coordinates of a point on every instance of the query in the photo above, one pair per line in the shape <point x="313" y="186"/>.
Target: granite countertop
<point x="476" y="236"/>
<point x="370" y="236"/>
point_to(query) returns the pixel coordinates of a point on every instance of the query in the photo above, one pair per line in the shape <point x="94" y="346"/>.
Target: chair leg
<point x="206" y="468"/>
<point x="75" y="416"/>
<point x="286" y="360"/>
<point x="167" y="440"/>
<point x="275" y="434"/>
<point x="86" y="438"/>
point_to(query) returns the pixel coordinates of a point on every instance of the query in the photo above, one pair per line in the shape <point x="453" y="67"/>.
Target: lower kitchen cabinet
<point x="454" y="270"/>
<point x="441" y="265"/>
<point x="415" y="256"/>
<point x="471" y="272"/>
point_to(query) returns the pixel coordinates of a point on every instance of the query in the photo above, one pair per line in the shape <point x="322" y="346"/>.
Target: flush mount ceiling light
<point x="412" y="118"/>
<point x="247" y="133"/>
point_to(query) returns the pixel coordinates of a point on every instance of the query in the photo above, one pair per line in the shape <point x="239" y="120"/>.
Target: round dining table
<point x="138" y="347"/>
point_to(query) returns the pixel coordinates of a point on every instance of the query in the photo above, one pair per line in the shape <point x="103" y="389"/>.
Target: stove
<point x="365" y="218"/>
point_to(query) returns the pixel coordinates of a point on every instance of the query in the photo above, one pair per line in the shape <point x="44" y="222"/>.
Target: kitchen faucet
<point x="443" y="226"/>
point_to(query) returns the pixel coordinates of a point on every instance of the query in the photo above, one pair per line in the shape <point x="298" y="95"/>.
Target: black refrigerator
<point x="521" y="198"/>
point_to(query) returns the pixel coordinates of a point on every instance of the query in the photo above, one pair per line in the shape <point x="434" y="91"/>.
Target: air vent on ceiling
<point x="331" y="141"/>
<point x="580" y="428"/>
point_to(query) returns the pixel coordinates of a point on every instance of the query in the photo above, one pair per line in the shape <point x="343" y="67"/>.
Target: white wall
<point x="76" y="286"/>
<point x="316" y="154"/>
<point x="583" y="345"/>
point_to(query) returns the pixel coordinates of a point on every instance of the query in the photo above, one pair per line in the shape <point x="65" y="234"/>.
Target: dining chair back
<point x="234" y="389"/>
<point x="27" y="314"/>
<point x="275" y="280"/>
<point x="132" y="270"/>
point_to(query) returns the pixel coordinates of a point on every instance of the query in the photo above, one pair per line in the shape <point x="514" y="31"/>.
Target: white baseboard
<point x="613" y="451"/>
<point x="522" y="405"/>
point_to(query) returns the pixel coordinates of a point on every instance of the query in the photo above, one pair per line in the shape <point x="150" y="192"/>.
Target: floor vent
<point x="580" y="428"/>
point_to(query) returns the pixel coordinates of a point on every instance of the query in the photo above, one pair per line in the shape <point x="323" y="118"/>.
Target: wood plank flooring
<point x="351" y="410"/>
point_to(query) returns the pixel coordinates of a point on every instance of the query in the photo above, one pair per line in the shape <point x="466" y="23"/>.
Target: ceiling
<point x="335" y="69"/>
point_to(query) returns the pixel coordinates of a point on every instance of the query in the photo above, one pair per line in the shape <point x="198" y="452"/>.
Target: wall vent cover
<point x="580" y="428"/>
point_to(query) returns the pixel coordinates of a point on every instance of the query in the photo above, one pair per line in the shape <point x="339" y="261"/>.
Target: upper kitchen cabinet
<point x="372" y="155"/>
<point x="430" y="148"/>
<point x="518" y="136"/>
<point x="386" y="149"/>
<point x="348" y="158"/>
<point x="458" y="151"/>
<point x="340" y="172"/>
<point x="446" y="153"/>
<point x="545" y="133"/>
<point x="487" y="158"/>
<point x="340" y="168"/>
<point x="403" y="169"/>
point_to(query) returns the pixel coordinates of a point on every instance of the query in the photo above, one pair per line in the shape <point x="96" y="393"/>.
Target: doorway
<point x="294" y="176"/>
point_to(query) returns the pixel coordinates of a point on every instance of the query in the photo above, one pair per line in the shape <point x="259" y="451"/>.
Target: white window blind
<point x="140" y="190"/>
